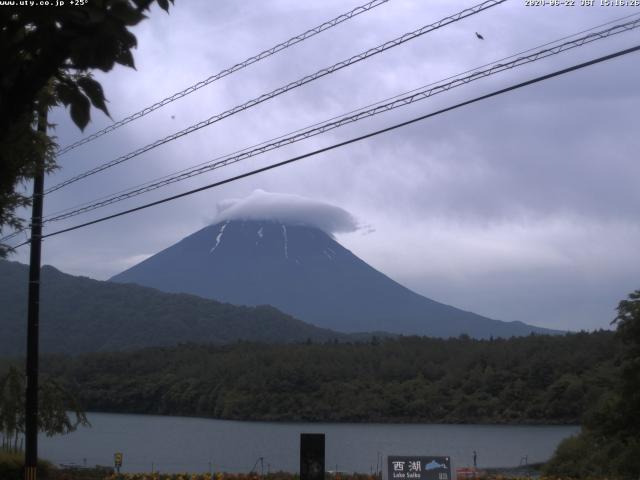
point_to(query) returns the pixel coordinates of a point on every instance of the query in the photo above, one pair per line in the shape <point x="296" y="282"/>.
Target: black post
<point x="312" y="456"/>
<point x="33" y="319"/>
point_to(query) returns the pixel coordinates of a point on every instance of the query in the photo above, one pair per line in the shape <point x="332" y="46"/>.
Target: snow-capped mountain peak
<point x="303" y="271"/>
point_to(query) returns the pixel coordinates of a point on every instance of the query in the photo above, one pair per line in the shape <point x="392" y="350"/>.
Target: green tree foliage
<point x="408" y="379"/>
<point x="84" y="315"/>
<point x="46" y="55"/>
<point x="54" y="403"/>
<point x="12" y="467"/>
<point x="609" y="444"/>
<point x="11" y="409"/>
<point x="628" y="322"/>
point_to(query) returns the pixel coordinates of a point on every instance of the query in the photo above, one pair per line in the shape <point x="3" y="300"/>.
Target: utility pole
<point x="33" y="315"/>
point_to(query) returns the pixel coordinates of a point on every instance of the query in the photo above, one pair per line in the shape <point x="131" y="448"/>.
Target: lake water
<point x="179" y="444"/>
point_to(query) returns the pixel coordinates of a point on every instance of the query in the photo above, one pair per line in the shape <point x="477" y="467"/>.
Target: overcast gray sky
<point x="522" y="207"/>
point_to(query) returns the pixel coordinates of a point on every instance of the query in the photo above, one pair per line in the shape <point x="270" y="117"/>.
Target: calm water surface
<point x="178" y="444"/>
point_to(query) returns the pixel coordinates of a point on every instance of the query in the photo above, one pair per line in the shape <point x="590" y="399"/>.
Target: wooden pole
<point x="33" y="317"/>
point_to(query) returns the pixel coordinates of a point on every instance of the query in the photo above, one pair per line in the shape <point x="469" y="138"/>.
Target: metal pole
<point x="33" y="318"/>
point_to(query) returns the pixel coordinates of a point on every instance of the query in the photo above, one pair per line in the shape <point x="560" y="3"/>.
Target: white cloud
<point x="287" y="208"/>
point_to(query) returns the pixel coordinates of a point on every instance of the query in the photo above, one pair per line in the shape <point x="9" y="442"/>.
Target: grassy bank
<point x="232" y="476"/>
<point x="11" y="468"/>
<point x="12" y="465"/>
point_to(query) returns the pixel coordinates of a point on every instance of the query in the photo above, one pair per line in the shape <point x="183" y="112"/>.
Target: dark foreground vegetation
<point x="533" y="380"/>
<point x="12" y="468"/>
<point x="609" y="443"/>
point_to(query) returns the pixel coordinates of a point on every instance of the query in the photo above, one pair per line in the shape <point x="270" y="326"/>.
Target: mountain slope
<point x="83" y="315"/>
<point x="306" y="273"/>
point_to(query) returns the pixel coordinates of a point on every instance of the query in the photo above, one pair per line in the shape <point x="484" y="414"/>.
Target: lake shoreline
<point x="363" y="422"/>
<point x="178" y="444"/>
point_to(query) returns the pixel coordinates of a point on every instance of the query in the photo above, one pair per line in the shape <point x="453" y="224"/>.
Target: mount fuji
<point x="299" y="268"/>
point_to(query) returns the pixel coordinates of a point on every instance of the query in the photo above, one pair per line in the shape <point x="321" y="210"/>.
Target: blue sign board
<point x="419" y="468"/>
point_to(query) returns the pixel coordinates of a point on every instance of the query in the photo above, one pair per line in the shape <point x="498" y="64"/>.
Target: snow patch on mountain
<point x="219" y="236"/>
<point x="286" y="241"/>
<point x="289" y="209"/>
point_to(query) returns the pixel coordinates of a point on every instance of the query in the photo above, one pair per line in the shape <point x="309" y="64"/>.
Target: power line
<point x="281" y="90"/>
<point x="302" y="134"/>
<point x="195" y="170"/>
<point x="12" y="235"/>
<point x="321" y="127"/>
<point x="228" y="71"/>
<point x="347" y="142"/>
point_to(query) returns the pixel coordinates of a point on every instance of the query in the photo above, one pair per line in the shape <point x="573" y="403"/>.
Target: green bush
<point x="573" y="458"/>
<point x="12" y="465"/>
<point x="608" y="445"/>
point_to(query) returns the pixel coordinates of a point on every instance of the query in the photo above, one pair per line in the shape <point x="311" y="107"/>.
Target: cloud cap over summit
<point x="306" y="273"/>
<point x="287" y="208"/>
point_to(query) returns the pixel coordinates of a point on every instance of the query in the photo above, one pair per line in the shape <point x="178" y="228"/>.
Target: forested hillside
<point x="79" y="314"/>
<point x="535" y="379"/>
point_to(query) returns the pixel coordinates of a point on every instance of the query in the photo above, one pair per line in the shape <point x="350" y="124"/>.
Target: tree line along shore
<point x="527" y="380"/>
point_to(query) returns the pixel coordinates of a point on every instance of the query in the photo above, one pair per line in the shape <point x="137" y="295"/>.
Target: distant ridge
<point x="79" y="314"/>
<point x="303" y="271"/>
